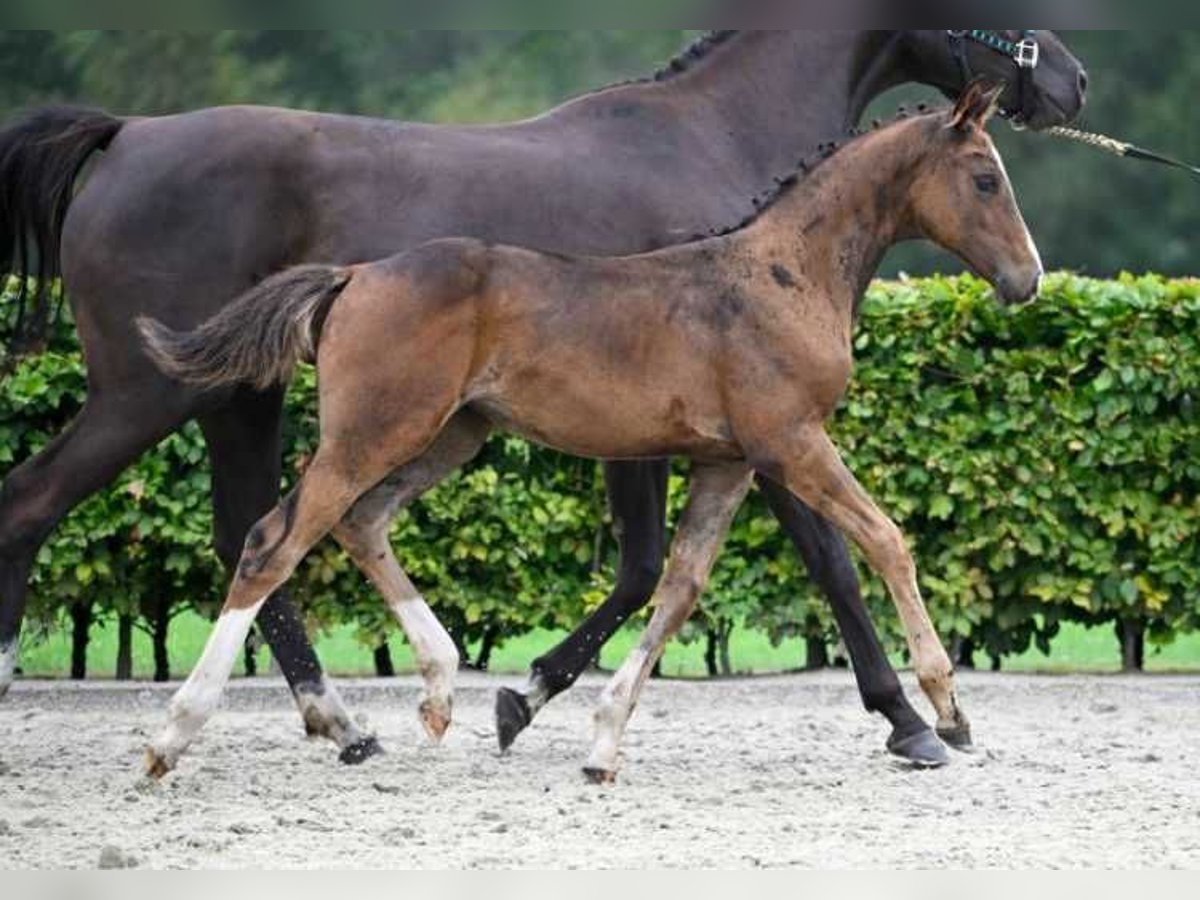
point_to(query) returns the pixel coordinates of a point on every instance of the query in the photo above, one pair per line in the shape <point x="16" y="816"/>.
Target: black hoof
<point x="922" y="750"/>
<point x="600" y="776"/>
<point x="958" y="737"/>
<point x="358" y="753"/>
<point x="512" y="716"/>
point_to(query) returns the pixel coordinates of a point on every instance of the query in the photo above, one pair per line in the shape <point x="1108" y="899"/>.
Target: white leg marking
<point x="195" y="702"/>
<point x="536" y="694"/>
<point x="8" y="666"/>
<point x="436" y="655"/>
<point x="325" y="714"/>
<point x="615" y="708"/>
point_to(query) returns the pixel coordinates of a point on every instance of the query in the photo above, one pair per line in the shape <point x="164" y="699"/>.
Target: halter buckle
<point x="1028" y="54"/>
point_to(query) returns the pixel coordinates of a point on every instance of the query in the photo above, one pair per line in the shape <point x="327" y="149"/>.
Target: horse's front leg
<point x="812" y="469"/>
<point x="715" y="495"/>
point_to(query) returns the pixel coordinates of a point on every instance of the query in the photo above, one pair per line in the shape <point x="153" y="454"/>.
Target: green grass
<point x="1075" y="649"/>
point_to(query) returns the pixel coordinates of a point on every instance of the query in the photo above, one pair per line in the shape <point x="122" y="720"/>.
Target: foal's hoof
<point x="957" y="736"/>
<point x="599" y="776"/>
<point x="513" y="716"/>
<point x="435" y="720"/>
<point x="922" y="750"/>
<point x="360" y="751"/>
<point x="157" y="766"/>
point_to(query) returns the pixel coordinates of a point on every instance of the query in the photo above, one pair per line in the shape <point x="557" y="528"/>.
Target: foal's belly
<point x="614" y="427"/>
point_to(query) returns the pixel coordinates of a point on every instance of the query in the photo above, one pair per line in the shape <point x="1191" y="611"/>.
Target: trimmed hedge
<point x="1044" y="462"/>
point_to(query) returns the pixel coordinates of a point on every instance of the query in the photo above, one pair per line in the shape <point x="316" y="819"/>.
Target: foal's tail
<point x="258" y="338"/>
<point x="41" y="153"/>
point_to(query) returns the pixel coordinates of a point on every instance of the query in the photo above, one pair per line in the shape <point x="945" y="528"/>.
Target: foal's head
<point x="962" y="199"/>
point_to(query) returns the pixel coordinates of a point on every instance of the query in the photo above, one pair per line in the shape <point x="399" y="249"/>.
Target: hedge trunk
<point x="816" y="655"/>
<point x="81" y="621"/>
<point x="124" y="648"/>
<point x="384" y="667"/>
<point x="1132" y="634"/>
<point x="160" y="628"/>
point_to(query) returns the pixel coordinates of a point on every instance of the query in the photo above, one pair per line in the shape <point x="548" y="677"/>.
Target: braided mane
<point x="694" y="53"/>
<point x="807" y="164"/>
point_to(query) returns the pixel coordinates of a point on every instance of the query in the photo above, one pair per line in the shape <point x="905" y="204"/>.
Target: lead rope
<point x="1118" y="148"/>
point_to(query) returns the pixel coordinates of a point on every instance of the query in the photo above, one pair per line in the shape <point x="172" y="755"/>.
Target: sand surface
<point x="788" y="771"/>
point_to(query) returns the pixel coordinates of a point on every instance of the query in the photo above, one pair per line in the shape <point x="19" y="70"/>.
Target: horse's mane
<point x="684" y="61"/>
<point x="694" y="53"/>
<point x="807" y="164"/>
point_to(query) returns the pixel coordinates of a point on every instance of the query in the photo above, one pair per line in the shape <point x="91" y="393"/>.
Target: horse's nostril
<point x="1083" y="82"/>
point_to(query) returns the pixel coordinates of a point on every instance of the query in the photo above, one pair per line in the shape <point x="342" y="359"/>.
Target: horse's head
<point x="1044" y="83"/>
<point x="961" y="197"/>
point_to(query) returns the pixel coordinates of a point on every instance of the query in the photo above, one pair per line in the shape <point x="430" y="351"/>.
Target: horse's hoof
<point x="922" y="750"/>
<point x="957" y="737"/>
<point x="360" y="751"/>
<point x="436" y="721"/>
<point x="157" y="766"/>
<point x="599" y="776"/>
<point x="513" y="716"/>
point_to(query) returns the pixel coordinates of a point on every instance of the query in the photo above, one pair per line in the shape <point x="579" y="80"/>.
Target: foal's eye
<point x="987" y="184"/>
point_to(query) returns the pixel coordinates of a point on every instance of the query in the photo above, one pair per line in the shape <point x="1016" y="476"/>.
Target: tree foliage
<point x="1043" y="462"/>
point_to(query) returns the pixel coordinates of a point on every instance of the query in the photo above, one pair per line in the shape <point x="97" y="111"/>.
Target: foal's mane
<point x="764" y="202"/>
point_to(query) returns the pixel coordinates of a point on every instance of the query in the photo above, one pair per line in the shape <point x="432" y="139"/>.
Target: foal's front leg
<point x="817" y="475"/>
<point x="274" y="548"/>
<point x="715" y="495"/>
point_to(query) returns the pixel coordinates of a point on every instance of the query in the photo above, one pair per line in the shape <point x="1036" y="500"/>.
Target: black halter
<point x="1025" y="54"/>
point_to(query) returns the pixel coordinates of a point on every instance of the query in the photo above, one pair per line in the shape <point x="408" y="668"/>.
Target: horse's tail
<point x="41" y="154"/>
<point x="258" y="338"/>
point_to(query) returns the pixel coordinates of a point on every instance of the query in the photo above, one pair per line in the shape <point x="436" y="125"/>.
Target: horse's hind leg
<point x="363" y="533"/>
<point x="828" y="562"/>
<point x="107" y="435"/>
<point x="273" y="549"/>
<point x="637" y="497"/>
<point x="244" y="444"/>
<point x="812" y="469"/>
<point x="715" y="495"/>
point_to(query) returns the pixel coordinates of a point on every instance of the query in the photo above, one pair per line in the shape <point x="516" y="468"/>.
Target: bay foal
<point x="732" y="351"/>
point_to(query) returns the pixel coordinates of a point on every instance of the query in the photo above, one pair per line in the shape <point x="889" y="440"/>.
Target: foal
<point x="732" y="351"/>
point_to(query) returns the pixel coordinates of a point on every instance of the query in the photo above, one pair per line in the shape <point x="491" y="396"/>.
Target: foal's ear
<point x="977" y="104"/>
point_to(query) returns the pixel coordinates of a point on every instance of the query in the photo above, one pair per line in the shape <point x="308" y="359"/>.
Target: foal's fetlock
<point x="955" y="729"/>
<point x="436" y="715"/>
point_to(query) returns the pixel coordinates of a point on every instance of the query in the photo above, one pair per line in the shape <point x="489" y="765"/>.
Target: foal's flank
<point x="732" y="351"/>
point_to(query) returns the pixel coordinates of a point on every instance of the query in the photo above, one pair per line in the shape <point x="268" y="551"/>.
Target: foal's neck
<point x="837" y="224"/>
<point x="780" y="92"/>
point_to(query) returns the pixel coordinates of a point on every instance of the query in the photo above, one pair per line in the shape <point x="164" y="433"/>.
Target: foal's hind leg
<point x="273" y="549"/>
<point x="363" y="533"/>
<point x="244" y="444"/>
<point x="812" y="469"/>
<point x="716" y="493"/>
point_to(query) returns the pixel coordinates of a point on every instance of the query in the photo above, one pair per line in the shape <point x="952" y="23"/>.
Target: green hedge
<point x="1044" y="462"/>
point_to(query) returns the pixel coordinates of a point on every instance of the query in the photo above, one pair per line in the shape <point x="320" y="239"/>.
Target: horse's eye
<point x="987" y="184"/>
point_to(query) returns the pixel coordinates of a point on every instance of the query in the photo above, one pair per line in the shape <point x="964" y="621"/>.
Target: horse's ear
<point x="977" y="104"/>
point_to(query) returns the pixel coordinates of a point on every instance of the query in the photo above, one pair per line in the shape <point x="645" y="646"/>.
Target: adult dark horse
<point x="183" y="213"/>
